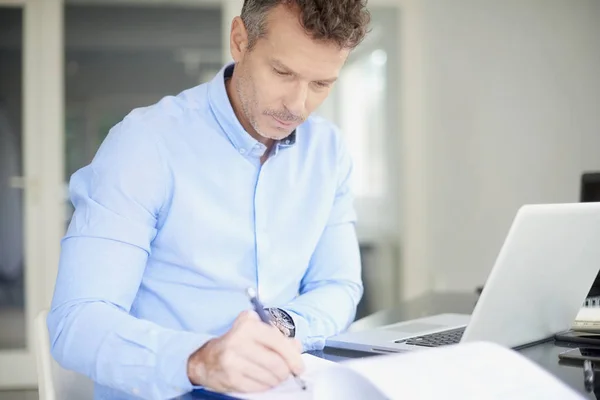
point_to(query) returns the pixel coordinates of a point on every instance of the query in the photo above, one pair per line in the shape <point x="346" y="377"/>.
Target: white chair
<point x="55" y="382"/>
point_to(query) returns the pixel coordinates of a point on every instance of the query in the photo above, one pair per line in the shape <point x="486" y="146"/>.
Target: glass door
<point x="12" y="263"/>
<point x="169" y="47"/>
<point x="29" y="75"/>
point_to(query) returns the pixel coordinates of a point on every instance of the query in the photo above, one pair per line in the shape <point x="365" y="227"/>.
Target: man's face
<point x="285" y="76"/>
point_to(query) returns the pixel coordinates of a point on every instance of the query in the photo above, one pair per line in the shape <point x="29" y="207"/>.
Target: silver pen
<point x="588" y="375"/>
<point x="260" y="310"/>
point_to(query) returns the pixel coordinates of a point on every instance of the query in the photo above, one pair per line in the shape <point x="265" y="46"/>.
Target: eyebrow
<point x="282" y="66"/>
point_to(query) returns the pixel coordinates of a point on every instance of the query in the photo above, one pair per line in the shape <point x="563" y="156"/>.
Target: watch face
<point x="282" y="318"/>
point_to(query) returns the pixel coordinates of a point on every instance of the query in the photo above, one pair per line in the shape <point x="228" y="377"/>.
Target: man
<point x="188" y="202"/>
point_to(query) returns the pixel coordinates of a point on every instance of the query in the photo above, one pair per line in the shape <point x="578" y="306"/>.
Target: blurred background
<point x="456" y="114"/>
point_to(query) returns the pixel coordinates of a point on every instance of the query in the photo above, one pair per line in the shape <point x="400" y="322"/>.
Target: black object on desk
<point x="579" y="337"/>
<point x="578" y="355"/>
<point x="590" y="383"/>
<point x="574" y="358"/>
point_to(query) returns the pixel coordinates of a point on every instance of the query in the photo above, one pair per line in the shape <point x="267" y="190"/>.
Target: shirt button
<point x="242" y="151"/>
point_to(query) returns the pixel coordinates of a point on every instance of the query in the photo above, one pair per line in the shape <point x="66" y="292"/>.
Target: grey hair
<point x="344" y="22"/>
<point x="254" y="15"/>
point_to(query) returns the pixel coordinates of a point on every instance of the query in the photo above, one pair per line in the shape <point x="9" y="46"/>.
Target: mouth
<point x="284" y="124"/>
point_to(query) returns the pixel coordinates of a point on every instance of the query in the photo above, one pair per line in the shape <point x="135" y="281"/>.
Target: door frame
<point x="42" y="181"/>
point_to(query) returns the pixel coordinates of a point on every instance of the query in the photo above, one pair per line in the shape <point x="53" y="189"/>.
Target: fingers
<point x="248" y="323"/>
<point x="248" y="375"/>
<point x="269" y="361"/>
<point x="271" y="338"/>
<point x="243" y="376"/>
<point x="251" y="357"/>
<point x="235" y="371"/>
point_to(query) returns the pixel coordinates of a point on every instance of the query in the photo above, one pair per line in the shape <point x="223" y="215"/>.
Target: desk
<point x="545" y="354"/>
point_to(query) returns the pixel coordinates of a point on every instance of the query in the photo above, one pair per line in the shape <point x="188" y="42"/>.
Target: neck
<point x="236" y="104"/>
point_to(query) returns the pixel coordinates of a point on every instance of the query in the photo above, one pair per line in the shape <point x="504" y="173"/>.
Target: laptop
<point x="536" y="287"/>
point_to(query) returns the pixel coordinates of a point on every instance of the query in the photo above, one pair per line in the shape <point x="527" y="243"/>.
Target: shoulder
<point x="147" y="126"/>
<point x="169" y="110"/>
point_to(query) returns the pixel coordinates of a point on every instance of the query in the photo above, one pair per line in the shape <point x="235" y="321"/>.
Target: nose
<point x="296" y="99"/>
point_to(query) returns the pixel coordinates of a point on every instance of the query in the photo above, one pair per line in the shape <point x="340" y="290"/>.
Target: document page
<point x="290" y="389"/>
<point x="481" y="371"/>
<point x="471" y="371"/>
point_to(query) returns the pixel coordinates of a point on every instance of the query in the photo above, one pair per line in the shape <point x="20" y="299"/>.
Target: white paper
<point x="290" y="389"/>
<point x="482" y="371"/>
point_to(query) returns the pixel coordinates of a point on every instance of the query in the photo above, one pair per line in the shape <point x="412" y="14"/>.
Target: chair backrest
<point x="55" y="382"/>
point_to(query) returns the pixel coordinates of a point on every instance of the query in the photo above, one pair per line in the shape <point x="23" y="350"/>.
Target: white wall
<point x="501" y="107"/>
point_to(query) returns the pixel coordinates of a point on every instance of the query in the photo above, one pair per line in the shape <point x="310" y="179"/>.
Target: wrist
<point x="196" y="365"/>
<point x="172" y="359"/>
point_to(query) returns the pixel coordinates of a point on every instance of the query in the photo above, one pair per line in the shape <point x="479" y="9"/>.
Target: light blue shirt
<point x="175" y="217"/>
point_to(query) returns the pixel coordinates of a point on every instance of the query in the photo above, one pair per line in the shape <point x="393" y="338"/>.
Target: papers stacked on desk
<point x="481" y="371"/>
<point x="588" y="319"/>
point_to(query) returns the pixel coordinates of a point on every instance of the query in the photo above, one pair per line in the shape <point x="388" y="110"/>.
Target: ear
<point x="238" y="39"/>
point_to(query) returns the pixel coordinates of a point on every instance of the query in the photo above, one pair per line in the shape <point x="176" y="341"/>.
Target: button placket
<point x="263" y="242"/>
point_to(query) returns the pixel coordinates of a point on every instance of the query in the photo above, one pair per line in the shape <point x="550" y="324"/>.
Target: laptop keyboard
<point x="437" y="339"/>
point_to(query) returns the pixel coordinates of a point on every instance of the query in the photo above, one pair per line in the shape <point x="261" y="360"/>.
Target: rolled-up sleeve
<point x="118" y="199"/>
<point x="332" y="286"/>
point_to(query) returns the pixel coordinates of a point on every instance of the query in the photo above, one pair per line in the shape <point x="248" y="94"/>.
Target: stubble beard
<point x="249" y="103"/>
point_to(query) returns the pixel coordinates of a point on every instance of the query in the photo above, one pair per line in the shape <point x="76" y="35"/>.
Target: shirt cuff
<point x="301" y="326"/>
<point x="173" y="359"/>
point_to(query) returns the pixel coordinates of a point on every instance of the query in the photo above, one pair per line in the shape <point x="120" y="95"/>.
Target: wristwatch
<point x="283" y="321"/>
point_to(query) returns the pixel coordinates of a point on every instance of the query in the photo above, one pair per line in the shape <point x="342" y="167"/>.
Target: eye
<point x="280" y="73"/>
<point x="322" y="85"/>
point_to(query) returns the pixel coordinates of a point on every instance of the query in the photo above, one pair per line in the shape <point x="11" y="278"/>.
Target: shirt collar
<point x="223" y="111"/>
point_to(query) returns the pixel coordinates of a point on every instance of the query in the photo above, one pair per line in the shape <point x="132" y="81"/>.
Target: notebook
<point x="476" y="370"/>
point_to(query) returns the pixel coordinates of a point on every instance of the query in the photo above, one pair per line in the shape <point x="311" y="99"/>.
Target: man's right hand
<point x="251" y="357"/>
